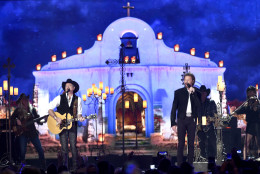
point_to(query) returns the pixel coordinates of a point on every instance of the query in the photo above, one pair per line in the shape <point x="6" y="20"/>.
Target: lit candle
<point x="159" y="35"/>
<point x="221" y="86"/>
<point x="53" y="58"/>
<point x="126" y="104"/>
<point x="144" y="104"/>
<point x="176" y="47"/>
<point x="133" y="59"/>
<point x="104" y="96"/>
<point x="197" y="121"/>
<point x="204" y="120"/>
<point x="101" y="86"/>
<point x="84" y="97"/>
<point x="135" y="97"/>
<point x="206" y="55"/>
<point x="15" y="91"/>
<point x="192" y="51"/>
<point x="1" y="91"/>
<point x="11" y="90"/>
<point x="99" y="37"/>
<point x="79" y="50"/>
<point x="107" y="90"/>
<point x="111" y="90"/>
<point x="64" y="54"/>
<point x="90" y="91"/>
<point x="221" y="63"/>
<point x="219" y="79"/>
<point x="93" y="85"/>
<point x="99" y="92"/>
<point x="126" y="59"/>
<point x="38" y="67"/>
<point x="95" y="90"/>
<point x="5" y="84"/>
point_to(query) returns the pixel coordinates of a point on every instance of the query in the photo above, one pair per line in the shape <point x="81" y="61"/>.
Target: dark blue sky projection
<point x="32" y="31"/>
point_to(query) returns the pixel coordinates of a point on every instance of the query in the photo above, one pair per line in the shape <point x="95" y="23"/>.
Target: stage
<point x="144" y="155"/>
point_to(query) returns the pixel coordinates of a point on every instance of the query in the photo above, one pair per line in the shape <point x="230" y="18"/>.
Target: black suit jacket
<point x="180" y="104"/>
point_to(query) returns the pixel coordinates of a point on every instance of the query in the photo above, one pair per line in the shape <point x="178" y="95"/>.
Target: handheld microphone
<point x="188" y="85"/>
<point x="68" y="90"/>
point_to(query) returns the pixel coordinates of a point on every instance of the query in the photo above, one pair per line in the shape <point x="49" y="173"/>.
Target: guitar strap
<point x="75" y="107"/>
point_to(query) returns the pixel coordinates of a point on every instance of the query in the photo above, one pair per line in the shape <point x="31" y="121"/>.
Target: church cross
<point x="9" y="66"/>
<point x="128" y="7"/>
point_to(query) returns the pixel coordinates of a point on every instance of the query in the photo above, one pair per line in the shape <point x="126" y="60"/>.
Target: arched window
<point x="129" y="51"/>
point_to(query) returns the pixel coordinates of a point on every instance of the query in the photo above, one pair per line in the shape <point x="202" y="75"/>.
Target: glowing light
<point x="84" y="97"/>
<point x="192" y="51"/>
<point x="221" y="63"/>
<point x="159" y="35"/>
<point x="204" y="120"/>
<point x="206" y="55"/>
<point x="176" y="47"/>
<point x="79" y="50"/>
<point x="126" y="59"/>
<point x="111" y="90"/>
<point x="101" y="86"/>
<point x="127" y="104"/>
<point x="11" y="90"/>
<point x="38" y="67"/>
<point x="53" y="58"/>
<point x="5" y="85"/>
<point x="107" y="90"/>
<point x="135" y="97"/>
<point x="99" y="37"/>
<point x="144" y="104"/>
<point x="64" y="54"/>
<point x="133" y="59"/>
<point x="1" y="91"/>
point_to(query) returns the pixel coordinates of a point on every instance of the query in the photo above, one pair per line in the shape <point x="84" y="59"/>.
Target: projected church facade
<point x="154" y="75"/>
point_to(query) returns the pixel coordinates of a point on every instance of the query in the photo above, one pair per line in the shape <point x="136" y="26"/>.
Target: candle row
<point x="13" y="91"/>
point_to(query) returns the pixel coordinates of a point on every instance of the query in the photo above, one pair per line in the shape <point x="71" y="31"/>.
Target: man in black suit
<point x="187" y="104"/>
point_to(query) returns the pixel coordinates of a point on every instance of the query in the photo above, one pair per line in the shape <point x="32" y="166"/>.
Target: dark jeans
<point x="186" y="125"/>
<point x="207" y="142"/>
<point x="72" y="135"/>
<point x="23" y="140"/>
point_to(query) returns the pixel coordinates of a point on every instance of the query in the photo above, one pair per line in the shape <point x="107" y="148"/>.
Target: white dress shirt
<point x="189" y="111"/>
<point x="56" y="102"/>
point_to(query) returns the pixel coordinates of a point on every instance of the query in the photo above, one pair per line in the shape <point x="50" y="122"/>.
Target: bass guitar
<point x="57" y="128"/>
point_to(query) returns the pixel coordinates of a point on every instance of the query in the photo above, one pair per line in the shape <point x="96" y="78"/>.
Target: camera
<point x="162" y="154"/>
<point x="229" y="156"/>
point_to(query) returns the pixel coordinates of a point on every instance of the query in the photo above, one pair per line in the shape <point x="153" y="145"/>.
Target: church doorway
<point x="134" y="121"/>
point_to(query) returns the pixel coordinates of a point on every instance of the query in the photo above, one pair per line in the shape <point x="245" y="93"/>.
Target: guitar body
<point x="52" y="124"/>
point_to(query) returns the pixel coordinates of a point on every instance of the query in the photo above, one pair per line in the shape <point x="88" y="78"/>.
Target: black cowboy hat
<point x="204" y="89"/>
<point x="76" y="85"/>
<point x="22" y="96"/>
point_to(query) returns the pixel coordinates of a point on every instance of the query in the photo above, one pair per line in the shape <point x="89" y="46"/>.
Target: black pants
<point x="186" y="125"/>
<point x="207" y="142"/>
<point x="72" y="135"/>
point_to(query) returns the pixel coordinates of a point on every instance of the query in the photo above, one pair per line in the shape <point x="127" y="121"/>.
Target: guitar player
<point x="22" y="115"/>
<point x="206" y="134"/>
<point x="66" y="103"/>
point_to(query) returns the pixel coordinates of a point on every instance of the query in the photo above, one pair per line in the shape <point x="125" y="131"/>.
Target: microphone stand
<point x="67" y="131"/>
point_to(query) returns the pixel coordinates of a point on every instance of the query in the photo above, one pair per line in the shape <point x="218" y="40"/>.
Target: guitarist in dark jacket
<point x="66" y="103"/>
<point x="206" y="133"/>
<point x="25" y="129"/>
<point x="187" y="103"/>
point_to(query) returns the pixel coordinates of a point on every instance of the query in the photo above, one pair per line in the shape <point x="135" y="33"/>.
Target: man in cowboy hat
<point x="68" y="102"/>
<point x="23" y="117"/>
<point x="206" y="133"/>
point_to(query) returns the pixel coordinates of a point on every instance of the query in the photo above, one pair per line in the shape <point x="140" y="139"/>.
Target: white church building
<point x="154" y="75"/>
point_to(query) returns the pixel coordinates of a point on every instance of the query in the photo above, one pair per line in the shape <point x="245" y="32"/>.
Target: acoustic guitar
<point x="57" y="128"/>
